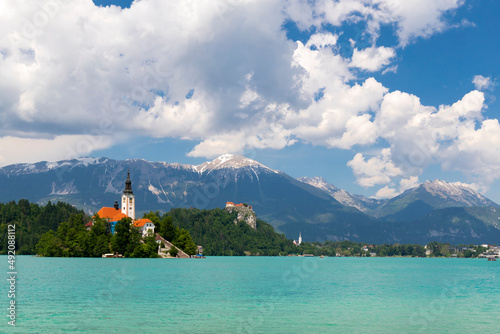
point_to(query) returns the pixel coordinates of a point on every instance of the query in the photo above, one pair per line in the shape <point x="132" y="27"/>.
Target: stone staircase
<point x="169" y="245"/>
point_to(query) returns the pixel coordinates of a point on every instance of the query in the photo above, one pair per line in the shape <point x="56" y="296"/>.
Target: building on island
<point x="128" y="199"/>
<point x="145" y="225"/>
<point x="125" y="210"/>
<point x="88" y="226"/>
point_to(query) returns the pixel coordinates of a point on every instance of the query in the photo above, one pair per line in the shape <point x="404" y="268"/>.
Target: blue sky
<point x="374" y="96"/>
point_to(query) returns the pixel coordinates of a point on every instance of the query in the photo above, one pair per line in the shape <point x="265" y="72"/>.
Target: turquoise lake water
<point x="254" y="295"/>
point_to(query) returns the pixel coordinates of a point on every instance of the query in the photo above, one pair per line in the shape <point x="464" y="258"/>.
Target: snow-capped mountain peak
<point x="228" y="161"/>
<point x="443" y="187"/>
<point x="457" y="192"/>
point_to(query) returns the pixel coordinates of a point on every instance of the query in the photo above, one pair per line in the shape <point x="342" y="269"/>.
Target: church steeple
<point x="128" y="185"/>
<point x="128" y="202"/>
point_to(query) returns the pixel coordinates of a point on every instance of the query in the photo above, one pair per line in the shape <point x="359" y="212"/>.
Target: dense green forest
<point x="31" y="221"/>
<point x="216" y="231"/>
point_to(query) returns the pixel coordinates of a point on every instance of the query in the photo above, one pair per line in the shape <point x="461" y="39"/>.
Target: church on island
<point x="298" y="242"/>
<point x="125" y="210"/>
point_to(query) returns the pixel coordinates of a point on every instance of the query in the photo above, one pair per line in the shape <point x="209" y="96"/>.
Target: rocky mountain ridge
<point x="429" y="196"/>
<point x="360" y="202"/>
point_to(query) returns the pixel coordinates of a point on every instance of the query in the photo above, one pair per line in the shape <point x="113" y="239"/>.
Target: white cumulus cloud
<point x="377" y="170"/>
<point x="413" y="18"/>
<point x="408" y="183"/>
<point x="404" y="184"/>
<point x="386" y="192"/>
<point x="372" y="59"/>
<point x="481" y="83"/>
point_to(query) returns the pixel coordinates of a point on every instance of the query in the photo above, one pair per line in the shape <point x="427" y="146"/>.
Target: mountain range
<point x="318" y="210"/>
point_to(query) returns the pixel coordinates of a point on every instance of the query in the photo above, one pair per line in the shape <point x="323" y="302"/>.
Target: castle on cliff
<point x="245" y="213"/>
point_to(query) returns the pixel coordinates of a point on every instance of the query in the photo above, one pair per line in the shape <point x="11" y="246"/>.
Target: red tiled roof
<point x="141" y="222"/>
<point x="119" y="217"/>
<point x="231" y="203"/>
<point x="108" y="213"/>
<point x="89" y="224"/>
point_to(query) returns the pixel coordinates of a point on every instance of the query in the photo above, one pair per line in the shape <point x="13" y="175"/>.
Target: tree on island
<point x="72" y="239"/>
<point x="173" y="251"/>
<point x="185" y="242"/>
<point x="146" y="249"/>
<point x="99" y="238"/>
<point x="180" y="237"/>
<point x="127" y="241"/>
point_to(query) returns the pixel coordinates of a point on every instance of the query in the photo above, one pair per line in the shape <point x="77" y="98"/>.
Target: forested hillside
<point x="31" y="221"/>
<point x="216" y="231"/>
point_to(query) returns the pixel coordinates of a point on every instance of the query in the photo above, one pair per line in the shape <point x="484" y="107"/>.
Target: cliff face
<point x="244" y="213"/>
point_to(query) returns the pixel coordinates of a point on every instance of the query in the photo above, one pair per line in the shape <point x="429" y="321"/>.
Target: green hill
<point x="216" y="231"/>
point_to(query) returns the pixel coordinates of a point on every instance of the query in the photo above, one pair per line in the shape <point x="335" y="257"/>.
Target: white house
<point x="145" y="225"/>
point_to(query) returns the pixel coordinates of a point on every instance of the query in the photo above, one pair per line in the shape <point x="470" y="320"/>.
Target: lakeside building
<point x="145" y="225"/>
<point x="459" y="249"/>
<point x="126" y="210"/>
<point x="493" y="251"/>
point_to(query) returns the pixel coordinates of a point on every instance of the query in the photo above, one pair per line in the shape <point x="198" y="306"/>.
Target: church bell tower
<point x="128" y="199"/>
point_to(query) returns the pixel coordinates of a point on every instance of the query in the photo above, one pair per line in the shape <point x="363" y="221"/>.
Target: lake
<point x="254" y="295"/>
